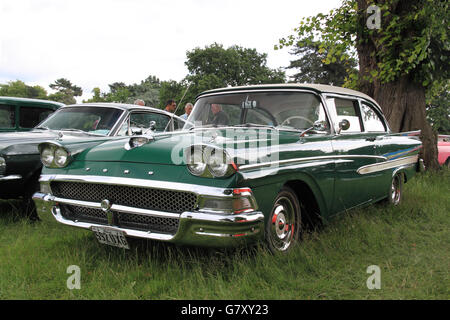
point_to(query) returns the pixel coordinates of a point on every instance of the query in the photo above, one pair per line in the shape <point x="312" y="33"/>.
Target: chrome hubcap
<point x="395" y="190"/>
<point x="282" y="225"/>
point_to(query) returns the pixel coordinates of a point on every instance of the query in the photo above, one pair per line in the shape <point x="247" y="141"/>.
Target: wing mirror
<point x="344" y="125"/>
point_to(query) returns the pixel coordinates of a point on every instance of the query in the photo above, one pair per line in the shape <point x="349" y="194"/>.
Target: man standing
<point x="187" y="110"/>
<point x="170" y="106"/>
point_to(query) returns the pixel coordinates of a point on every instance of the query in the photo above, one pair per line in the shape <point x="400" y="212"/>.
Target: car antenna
<point x="178" y="104"/>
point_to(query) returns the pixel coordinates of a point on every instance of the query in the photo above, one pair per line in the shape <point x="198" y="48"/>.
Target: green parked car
<point x="23" y="114"/>
<point x="254" y="163"/>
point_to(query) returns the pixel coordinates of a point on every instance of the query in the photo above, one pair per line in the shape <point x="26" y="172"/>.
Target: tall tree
<point x="311" y="68"/>
<point x="215" y="66"/>
<point x="403" y="53"/>
<point x="65" y="91"/>
<point x="20" y="89"/>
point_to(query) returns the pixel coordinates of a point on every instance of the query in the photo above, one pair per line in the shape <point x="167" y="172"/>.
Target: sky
<point x="97" y="42"/>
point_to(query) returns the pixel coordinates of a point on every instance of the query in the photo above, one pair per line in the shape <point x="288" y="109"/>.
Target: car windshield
<point x="280" y="110"/>
<point x="93" y="120"/>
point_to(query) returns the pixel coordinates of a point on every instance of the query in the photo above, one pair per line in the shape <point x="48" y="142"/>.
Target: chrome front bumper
<point x="196" y="228"/>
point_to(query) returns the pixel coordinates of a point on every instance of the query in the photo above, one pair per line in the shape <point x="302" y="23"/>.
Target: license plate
<point x="111" y="237"/>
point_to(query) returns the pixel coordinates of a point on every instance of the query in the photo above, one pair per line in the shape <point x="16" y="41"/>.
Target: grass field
<point x="410" y="244"/>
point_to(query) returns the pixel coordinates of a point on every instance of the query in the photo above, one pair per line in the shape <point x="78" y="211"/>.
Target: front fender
<point x="271" y="180"/>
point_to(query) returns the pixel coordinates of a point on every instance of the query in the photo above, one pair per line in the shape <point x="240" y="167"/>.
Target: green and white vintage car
<point x="252" y="163"/>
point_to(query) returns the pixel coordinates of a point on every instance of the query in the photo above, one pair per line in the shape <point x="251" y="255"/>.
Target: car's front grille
<point x="137" y="197"/>
<point x="148" y="223"/>
<point x="124" y="220"/>
<point x="134" y="197"/>
<point x="84" y="214"/>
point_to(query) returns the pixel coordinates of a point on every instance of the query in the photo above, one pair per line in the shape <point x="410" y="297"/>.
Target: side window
<point x="7" y="116"/>
<point x="349" y="110"/>
<point x="178" y="124"/>
<point x="29" y="117"/>
<point x="372" y="121"/>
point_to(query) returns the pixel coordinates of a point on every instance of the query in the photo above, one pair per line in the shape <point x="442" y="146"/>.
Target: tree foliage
<point x="20" y="89"/>
<point x="65" y="91"/>
<point x="215" y="66"/>
<point x="311" y="68"/>
<point x="413" y="39"/>
<point x="147" y="90"/>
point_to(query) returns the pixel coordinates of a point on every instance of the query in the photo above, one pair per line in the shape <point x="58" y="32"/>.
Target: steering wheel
<point x="287" y="120"/>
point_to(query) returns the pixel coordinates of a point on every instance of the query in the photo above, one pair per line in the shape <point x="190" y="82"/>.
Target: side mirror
<point x="344" y="125"/>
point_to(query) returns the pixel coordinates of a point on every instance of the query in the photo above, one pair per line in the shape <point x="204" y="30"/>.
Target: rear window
<point x="29" y="117"/>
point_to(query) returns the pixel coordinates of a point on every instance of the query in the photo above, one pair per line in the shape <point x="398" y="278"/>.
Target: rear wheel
<point x="396" y="191"/>
<point x="284" y="226"/>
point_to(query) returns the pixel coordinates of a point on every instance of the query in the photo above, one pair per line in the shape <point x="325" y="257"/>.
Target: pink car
<point x="444" y="150"/>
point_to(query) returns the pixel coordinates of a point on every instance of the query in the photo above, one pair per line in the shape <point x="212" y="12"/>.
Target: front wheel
<point x="284" y="226"/>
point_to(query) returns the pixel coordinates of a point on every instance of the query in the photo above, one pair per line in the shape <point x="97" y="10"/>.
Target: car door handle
<point x="371" y="139"/>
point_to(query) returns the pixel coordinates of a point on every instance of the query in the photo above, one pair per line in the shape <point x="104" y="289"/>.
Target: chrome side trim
<point x="376" y="167"/>
<point x="12" y="177"/>
<point x="300" y="160"/>
<point x="157" y="184"/>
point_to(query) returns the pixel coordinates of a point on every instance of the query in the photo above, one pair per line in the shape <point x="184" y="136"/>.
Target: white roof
<point x="317" y="87"/>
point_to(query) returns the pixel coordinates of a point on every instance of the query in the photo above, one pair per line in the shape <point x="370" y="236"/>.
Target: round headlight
<point x="219" y="163"/>
<point x="47" y="156"/>
<point x="61" y="157"/>
<point x="195" y="162"/>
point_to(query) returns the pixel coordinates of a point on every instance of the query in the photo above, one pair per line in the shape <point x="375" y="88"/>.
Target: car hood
<point x="16" y="143"/>
<point x="169" y="148"/>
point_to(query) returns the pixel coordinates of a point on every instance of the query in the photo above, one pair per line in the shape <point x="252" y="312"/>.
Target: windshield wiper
<point x="42" y="128"/>
<point x="249" y="125"/>
<point x="204" y="126"/>
<point x="82" y="131"/>
<point x="71" y="129"/>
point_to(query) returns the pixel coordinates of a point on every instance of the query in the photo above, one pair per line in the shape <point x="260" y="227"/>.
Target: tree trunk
<point x="402" y="100"/>
<point x="403" y="103"/>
